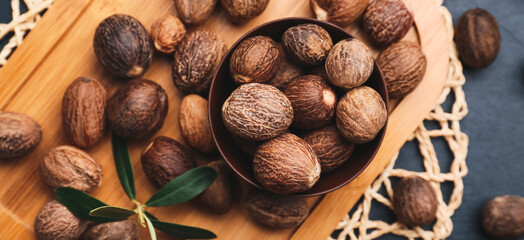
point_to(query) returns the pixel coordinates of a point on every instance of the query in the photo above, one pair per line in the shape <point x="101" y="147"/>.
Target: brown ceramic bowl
<point x="222" y="86"/>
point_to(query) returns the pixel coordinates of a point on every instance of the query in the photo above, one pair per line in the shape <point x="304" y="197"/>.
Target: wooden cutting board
<point x="60" y="49"/>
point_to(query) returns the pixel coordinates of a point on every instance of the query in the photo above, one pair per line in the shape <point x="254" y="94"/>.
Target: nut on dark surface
<point x="255" y="60"/>
<point x="503" y="217"/>
<point x="123" y="47"/>
<point x="415" y="202"/>
<point x="194" y="123"/>
<point x="330" y="147"/>
<point x="84" y="112"/>
<point x="477" y="38"/>
<point x="194" y="11"/>
<point x="19" y="134"/>
<point x="339" y="12"/>
<point x="276" y="210"/>
<point x="349" y="64"/>
<point x="240" y="11"/>
<point x="137" y="110"/>
<point x="165" y="159"/>
<point x="286" y="72"/>
<point x="167" y="32"/>
<point x="121" y="230"/>
<point x="219" y="197"/>
<point x="196" y="59"/>
<point x="55" y="221"/>
<point x="308" y="44"/>
<point x="387" y="21"/>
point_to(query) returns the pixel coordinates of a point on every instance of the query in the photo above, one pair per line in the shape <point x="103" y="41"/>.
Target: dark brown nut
<point x="121" y="230"/>
<point x="165" y="159"/>
<point x="194" y="123"/>
<point x="330" y="147"/>
<point x="257" y="112"/>
<point x="415" y="202"/>
<point x="19" y="134"/>
<point x="247" y="146"/>
<point x="67" y="166"/>
<point x="84" y="112"/>
<point x="503" y="217"/>
<point x="196" y="59"/>
<point x="286" y="71"/>
<point x="240" y="11"/>
<point x="194" y="11"/>
<point x="308" y="44"/>
<point x="349" y="64"/>
<point x="256" y="59"/>
<point x="55" y="221"/>
<point x="276" y="210"/>
<point x="340" y="12"/>
<point x="137" y="110"/>
<point x="478" y="38"/>
<point x="403" y="66"/>
<point x="387" y="21"/>
<point x="123" y="47"/>
<point x="218" y="197"/>
<point x="361" y="114"/>
<point x="167" y="32"/>
<point x="286" y="164"/>
<point x="313" y="101"/>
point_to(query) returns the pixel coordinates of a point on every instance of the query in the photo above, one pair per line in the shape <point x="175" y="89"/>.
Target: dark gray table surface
<point x="495" y="97"/>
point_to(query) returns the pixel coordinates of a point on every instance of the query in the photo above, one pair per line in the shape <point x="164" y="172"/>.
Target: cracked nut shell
<point x="84" y="112"/>
<point x="165" y="159"/>
<point x="137" y="110"/>
<point x="218" y="197"/>
<point x="387" y="21"/>
<point x="503" y="217"/>
<point x="240" y="11"/>
<point x="286" y="164"/>
<point x="194" y="123"/>
<point x="415" y="202"/>
<point x="349" y="64"/>
<point x="19" y="134"/>
<point x="361" y="114"/>
<point x="276" y="210"/>
<point x="286" y="71"/>
<point x="121" y="230"/>
<point x="55" y="221"/>
<point x="123" y="47"/>
<point x="308" y="44"/>
<point x="255" y="60"/>
<point x="196" y="59"/>
<point x="257" y="112"/>
<point x="339" y="12"/>
<point x="194" y="11"/>
<point x="330" y="147"/>
<point x="167" y="32"/>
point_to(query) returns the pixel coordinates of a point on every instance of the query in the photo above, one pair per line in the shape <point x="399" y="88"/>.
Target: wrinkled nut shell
<point x="84" y="112"/>
<point x="19" y="134"/>
<point x="54" y="221"/>
<point x="403" y="65"/>
<point x="349" y="64"/>
<point x="276" y="210"/>
<point x="194" y="11"/>
<point x="313" y="101"/>
<point x="387" y="21"/>
<point x="339" y="12"/>
<point x="167" y="32"/>
<point x="503" y="217"/>
<point x="196" y="59"/>
<point x="257" y="112"/>
<point x="165" y="159"/>
<point x="194" y="123"/>
<point x="286" y="71"/>
<point x="286" y="164"/>
<point x="138" y="109"/>
<point x="240" y="11"/>
<point x="256" y="59"/>
<point x="308" y="44"/>
<point x="123" y="47"/>
<point x="121" y="230"/>
<point x="330" y="147"/>
<point x="67" y="166"/>
<point x="218" y="197"/>
<point x="415" y="202"/>
<point x="361" y="114"/>
<point x="478" y="38"/>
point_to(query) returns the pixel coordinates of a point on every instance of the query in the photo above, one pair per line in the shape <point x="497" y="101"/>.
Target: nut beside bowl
<point x="222" y="86"/>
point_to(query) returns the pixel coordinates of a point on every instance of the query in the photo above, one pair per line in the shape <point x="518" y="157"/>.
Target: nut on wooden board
<point x="503" y="217"/>
<point x="415" y="202"/>
<point x="194" y="123"/>
<point x="219" y="197"/>
<point x="121" y="230"/>
<point x="239" y="11"/>
<point x="166" y="33"/>
<point x="255" y="60"/>
<point x="339" y="12"/>
<point x="308" y="44"/>
<point x="19" y="134"/>
<point x="55" y="221"/>
<point x="194" y="11"/>
<point x="276" y="211"/>
<point x="387" y="21"/>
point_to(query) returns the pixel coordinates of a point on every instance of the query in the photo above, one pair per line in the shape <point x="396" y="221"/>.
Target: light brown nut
<point x="415" y="202"/>
<point x="361" y="114"/>
<point x="196" y="59"/>
<point x="55" y="221"/>
<point x="219" y="197"/>
<point x="276" y="210"/>
<point x="256" y="59"/>
<point x="340" y="12"/>
<point x="286" y="71"/>
<point x="194" y="123"/>
<point x="121" y="230"/>
<point x="167" y="33"/>
<point x="308" y="44"/>
<point x="84" y="112"/>
<point x="67" y="166"/>
<point x="257" y="112"/>
<point x="349" y="64"/>
<point x="194" y="11"/>
<point x="403" y="65"/>
<point x="19" y="134"/>
<point x="387" y="21"/>
<point x="503" y="217"/>
<point x="330" y="147"/>
<point x="240" y="11"/>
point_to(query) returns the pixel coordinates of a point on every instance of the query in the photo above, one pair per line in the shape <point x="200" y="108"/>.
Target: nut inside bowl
<point x="223" y="85"/>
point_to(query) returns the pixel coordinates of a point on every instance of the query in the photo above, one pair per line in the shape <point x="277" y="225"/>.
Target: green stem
<point x="140" y="211"/>
<point x="151" y="228"/>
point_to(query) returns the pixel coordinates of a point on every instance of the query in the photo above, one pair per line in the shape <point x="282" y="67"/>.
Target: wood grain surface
<point x="60" y="49"/>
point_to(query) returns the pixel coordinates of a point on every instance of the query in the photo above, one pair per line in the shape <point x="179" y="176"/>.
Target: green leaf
<point x="80" y="203"/>
<point x="182" y="231"/>
<point x="184" y="187"/>
<point x="112" y="212"/>
<point x="123" y="165"/>
<point x="151" y="229"/>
